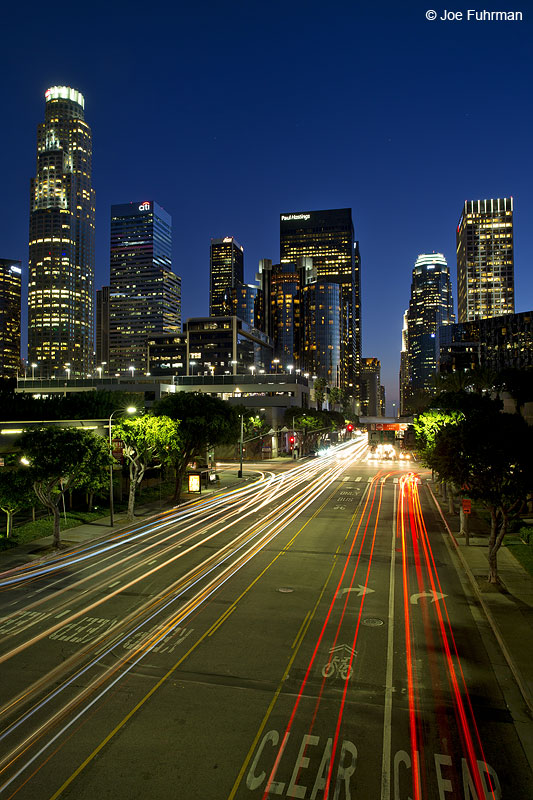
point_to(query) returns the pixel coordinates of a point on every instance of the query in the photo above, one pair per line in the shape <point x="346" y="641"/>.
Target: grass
<point x="521" y="546"/>
<point x="30" y="531"/>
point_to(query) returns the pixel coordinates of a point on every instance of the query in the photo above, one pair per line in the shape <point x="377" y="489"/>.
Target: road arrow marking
<point x="361" y="590"/>
<point x="434" y="596"/>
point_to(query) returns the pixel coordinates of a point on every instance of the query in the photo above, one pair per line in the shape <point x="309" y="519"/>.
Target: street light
<point x="67" y="369"/>
<point x="234" y="365"/>
<point x="252" y="369"/>
<point x="33" y="370"/>
<point x="99" y="371"/>
<point x="276" y="362"/>
<point x="290" y="367"/>
<point x="132" y="370"/>
<point x="129" y="410"/>
<point x="192" y="365"/>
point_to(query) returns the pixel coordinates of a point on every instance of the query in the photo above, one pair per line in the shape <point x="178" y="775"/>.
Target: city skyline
<point x="230" y="168"/>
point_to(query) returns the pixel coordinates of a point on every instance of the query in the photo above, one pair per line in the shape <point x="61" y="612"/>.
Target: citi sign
<point x="144" y="206"/>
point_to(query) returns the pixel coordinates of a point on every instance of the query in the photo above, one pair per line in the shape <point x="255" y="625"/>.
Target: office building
<point x="404" y="366"/>
<point x="245" y="300"/>
<point x="226" y="270"/>
<point x="10" y="285"/>
<point x="371" y="389"/>
<point x="211" y="346"/>
<point x="328" y="238"/>
<point x="61" y="246"/>
<point x="430" y="307"/>
<point x="485" y="260"/>
<point x="491" y="344"/>
<point x="145" y="294"/>
<point x="102" y="330"/>
<point x="319" y="331"/>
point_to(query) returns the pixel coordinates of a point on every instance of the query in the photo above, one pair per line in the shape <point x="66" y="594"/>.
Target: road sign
<point x="467" y="505"/>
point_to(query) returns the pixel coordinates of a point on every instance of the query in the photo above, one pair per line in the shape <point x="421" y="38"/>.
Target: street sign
<point x="467" y="505"/>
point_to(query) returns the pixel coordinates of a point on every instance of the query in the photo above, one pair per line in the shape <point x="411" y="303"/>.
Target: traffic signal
<point x="349" y="428"/>
<point x="291" y="439"/>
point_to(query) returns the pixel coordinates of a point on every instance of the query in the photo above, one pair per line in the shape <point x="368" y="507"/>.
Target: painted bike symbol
<point x="339" y="663"/>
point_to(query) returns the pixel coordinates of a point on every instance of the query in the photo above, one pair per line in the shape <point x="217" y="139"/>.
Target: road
<point x="307" y="635"/>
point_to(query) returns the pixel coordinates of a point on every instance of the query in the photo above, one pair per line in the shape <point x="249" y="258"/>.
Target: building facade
<point x="485" y="259"/>
<point x="328" y="238"/>
<point x="61" y="245"/>
<point x="145" y="294"/>
<point x="430" y="307"/>
<point x="102" y="329"/>
<point x="491" y="344"/>
<point x="319" y="331"/>
<point x="211" y="346"/>
<point x="226" y="270"/>
<point x="371" y="389"/>
<point x="10" y="287"/>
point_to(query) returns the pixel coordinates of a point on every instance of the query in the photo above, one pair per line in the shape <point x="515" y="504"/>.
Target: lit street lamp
<point x="290" y="367"/>
<point x="192" y="365"/>
<point x="33" y="371"/>
<point x="276" y="362"/>
<point x="129" y="410"/>
<point x="252" y="369"/>
<point x="67" y="370"/>
<point x="132" y="370"/>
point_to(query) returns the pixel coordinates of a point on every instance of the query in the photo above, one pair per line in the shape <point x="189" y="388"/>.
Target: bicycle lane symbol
<point x="339" y="663"/>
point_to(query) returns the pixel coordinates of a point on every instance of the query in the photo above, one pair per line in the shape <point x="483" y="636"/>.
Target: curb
<point x="524" y="691"/>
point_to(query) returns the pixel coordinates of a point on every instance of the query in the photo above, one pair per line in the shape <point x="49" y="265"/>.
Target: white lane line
<point x="113" y="584"/>
<point x="152" y="562"/>
<point x="358" y="478"/>
<point x="63" y="613"/>
<point x="387" y="717"/>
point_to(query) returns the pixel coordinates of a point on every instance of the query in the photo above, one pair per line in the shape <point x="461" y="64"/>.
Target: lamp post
<point x="129" y="410"/>
<point x="132" y="370"/>
<point x="192" y="365"/>
<point x="290" y="367"/>
<point x="99" y="371"/>
<point x="276" y="362"/>
<point x="241" y="444"/>
<point x="33" y="371"/>
<point x="67" y="370"/>
<point x="252" y="369"/>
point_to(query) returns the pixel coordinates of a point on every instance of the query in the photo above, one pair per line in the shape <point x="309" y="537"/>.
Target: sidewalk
<point x="40" y="549"/>
<point x="508" y="608"/>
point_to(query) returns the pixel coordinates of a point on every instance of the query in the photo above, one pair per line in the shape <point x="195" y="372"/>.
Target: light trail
<point x="264" y="533"/>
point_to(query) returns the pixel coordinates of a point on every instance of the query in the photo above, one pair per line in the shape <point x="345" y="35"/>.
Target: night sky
<point x="228" y="114"/>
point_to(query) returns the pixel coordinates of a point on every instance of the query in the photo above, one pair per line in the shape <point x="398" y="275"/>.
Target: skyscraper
<point x="319" y="341"/>
<point x="61" y="258"/>
<point x="10" y="280"/>
<point x="485" y="261"/>
<point x="226" y="270"/>
<point x="328" y="238"/>
<point x="145" y="296"/>
<point x="102" y="330"/>
<point x="430" y="306"/>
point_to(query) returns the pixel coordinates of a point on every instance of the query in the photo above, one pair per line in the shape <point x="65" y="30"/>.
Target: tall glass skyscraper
<point x="430" y="306"/>
<point x="328" y="238"/>
<point x="485" y="260"/>
<point x="61" y="257"/>
<point x="10" y="281"/>
<point x="226" y="270"/>
<point x="145" y="294"/>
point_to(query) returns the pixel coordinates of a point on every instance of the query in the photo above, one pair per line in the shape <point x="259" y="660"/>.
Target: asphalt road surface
<point x="305" y="636"/>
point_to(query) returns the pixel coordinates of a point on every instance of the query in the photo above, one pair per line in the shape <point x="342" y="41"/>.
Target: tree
<point x="319" y="388"/>
<point x="205" y="422"/>
<point x="16" y="493"/>
<point x="58" y="459"/>
<point x="489" y="458"/>
<point x="335" y="396"/>
<point x="146" y="439"/>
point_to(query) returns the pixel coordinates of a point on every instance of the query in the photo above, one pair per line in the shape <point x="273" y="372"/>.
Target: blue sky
<point x="229" y="113"/>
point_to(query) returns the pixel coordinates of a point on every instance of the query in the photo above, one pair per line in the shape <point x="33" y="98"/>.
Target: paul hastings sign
<point x="295" y="217"/>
